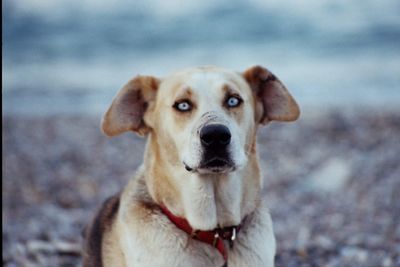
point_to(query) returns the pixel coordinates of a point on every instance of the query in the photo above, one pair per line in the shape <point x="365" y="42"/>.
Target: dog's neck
<point x="215" y="237"/>
<point x="206" y="201"/>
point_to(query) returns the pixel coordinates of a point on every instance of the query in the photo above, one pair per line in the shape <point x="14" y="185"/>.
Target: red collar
<point x="214" y="237"/>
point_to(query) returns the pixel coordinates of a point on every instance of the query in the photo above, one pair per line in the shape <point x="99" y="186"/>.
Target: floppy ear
<point x="129" y="105"/>
<point x="277" y="103"/>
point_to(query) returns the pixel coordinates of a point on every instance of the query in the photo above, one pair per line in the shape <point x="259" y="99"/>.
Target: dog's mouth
<point x="213" y="165"/>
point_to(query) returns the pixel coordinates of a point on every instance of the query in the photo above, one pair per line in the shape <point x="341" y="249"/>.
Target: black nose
<point x="215" y="136"/>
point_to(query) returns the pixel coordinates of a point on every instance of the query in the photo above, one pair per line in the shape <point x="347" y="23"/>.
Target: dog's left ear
<point x="277" y="103"/>
<point x="128" y="108"/>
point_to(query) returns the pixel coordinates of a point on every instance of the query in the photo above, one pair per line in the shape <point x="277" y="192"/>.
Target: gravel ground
<point x="332" y="181"/>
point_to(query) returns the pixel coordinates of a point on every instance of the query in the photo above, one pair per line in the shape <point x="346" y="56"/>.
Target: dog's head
<point x="203" y="119"/>
<point x="200" y="159"/>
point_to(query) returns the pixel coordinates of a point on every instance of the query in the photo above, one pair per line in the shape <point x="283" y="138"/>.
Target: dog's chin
<point x="216" y="170"/>
<point x="213" y="166"/>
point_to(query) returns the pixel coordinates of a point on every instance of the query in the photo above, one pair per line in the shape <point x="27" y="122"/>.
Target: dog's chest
<point x="165" y="245"/>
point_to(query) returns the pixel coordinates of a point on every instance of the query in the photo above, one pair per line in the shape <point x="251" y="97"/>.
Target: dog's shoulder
<point x="95" y="231"/>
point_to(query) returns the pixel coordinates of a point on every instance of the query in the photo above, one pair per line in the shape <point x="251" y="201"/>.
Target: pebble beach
<point x="332" y="181"/>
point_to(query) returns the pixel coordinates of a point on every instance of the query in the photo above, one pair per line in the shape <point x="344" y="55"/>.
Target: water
<point x="72" y="56"/>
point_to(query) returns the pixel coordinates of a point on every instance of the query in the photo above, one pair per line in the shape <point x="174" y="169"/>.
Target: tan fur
<point x="135" y="232"/>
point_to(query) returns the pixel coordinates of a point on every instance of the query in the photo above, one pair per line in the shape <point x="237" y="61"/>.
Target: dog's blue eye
<point x="183" y="106"/>
<point x="233" y="101"/>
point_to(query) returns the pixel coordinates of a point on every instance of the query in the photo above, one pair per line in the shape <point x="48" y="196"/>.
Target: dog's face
<point x="207" y="117"/>
<point x="204" y="118"/>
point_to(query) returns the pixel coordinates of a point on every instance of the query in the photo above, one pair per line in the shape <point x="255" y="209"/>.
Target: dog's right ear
<point x="129" y="105"/>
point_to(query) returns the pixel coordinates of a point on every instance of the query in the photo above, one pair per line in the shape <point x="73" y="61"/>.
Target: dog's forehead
<point x="202" y="80"/>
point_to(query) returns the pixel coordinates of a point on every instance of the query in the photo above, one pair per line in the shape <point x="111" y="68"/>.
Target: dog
<point x="196" y="199"/>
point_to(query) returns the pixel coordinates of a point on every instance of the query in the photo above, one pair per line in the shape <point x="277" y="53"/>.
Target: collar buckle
<point x="233" y="237"/>
<point x="216" y="237"/>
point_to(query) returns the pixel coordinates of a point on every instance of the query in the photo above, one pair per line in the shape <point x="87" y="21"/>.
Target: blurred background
<point x="71" y="56"/>
<point x="332" y="179"/>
